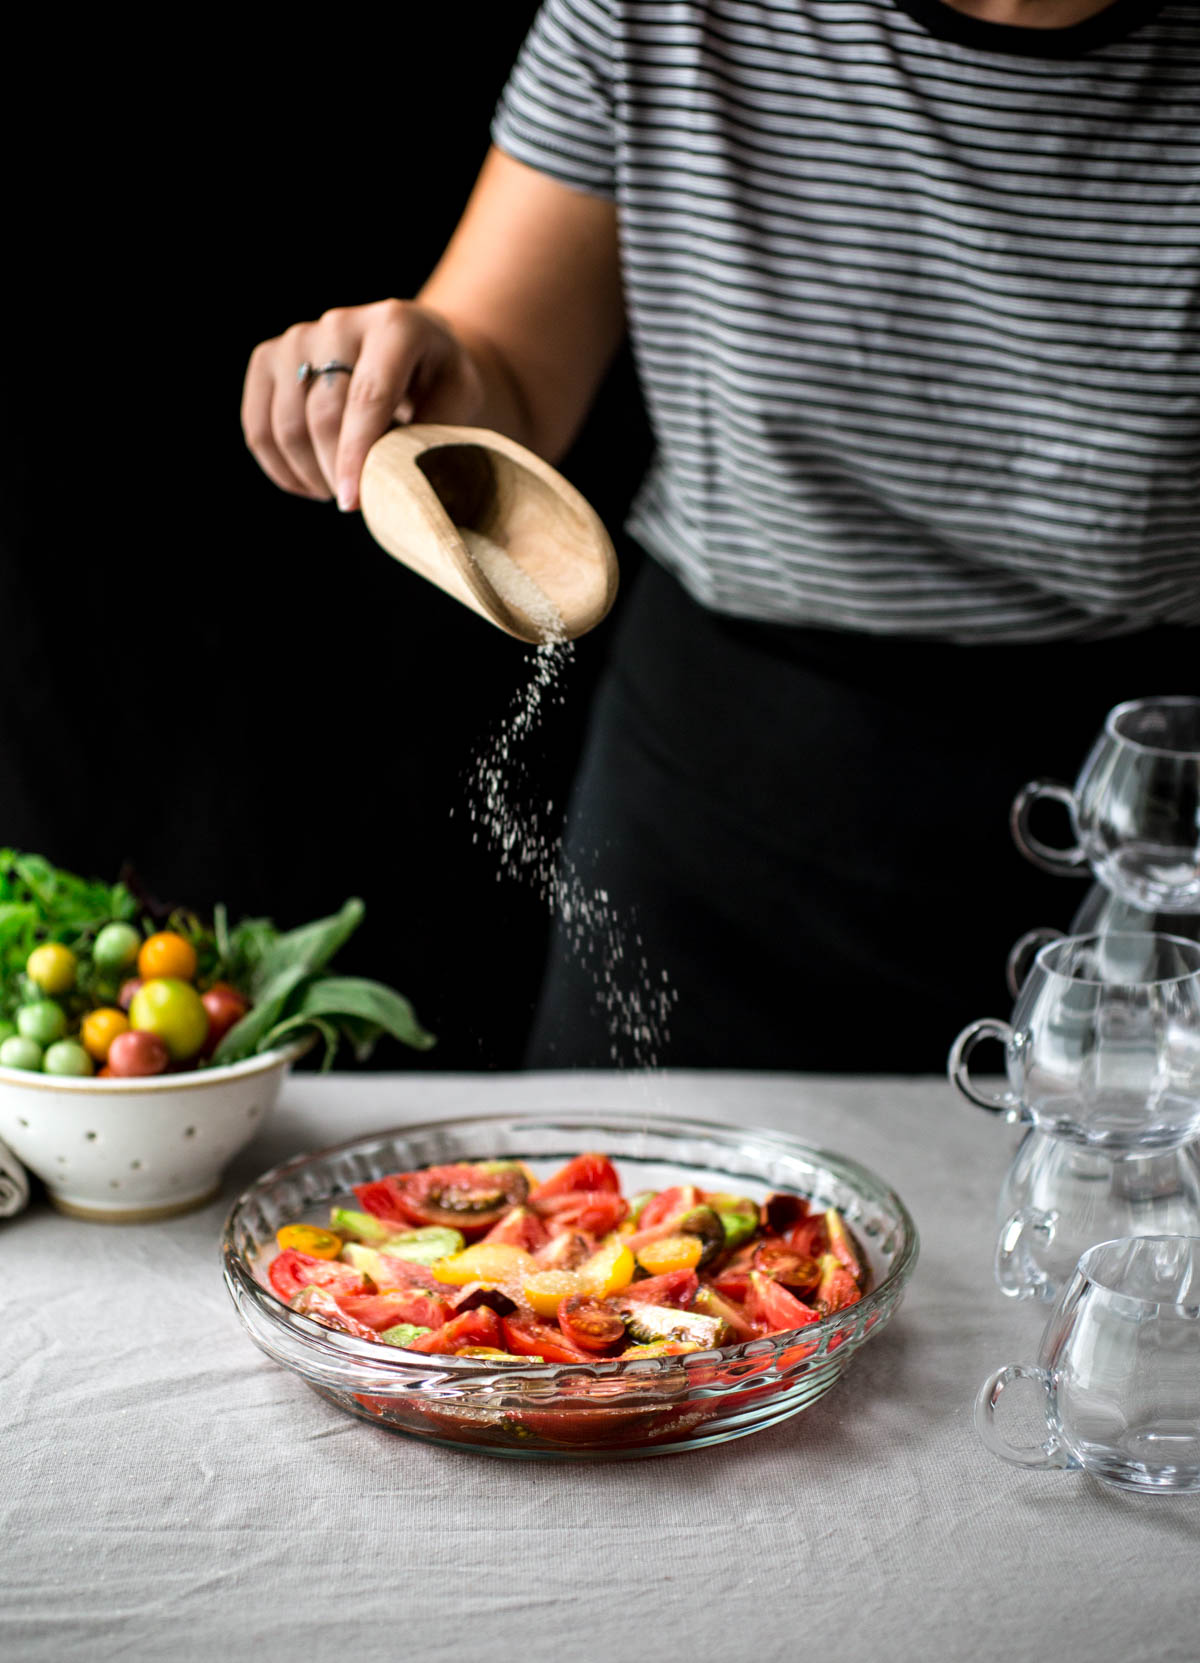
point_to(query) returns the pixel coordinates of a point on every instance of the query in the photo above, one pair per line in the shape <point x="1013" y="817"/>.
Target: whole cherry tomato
<point x="128" y="989"/>
<point x="137" y="1053"/>
<point x="166" y="955"/>
<point x="225" y="1007"/>
<point x="171" y="1009"/>
<point x="100" y="1028"/>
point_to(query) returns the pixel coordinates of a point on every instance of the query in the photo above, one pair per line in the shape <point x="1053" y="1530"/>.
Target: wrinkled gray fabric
<point x="14" y="1184"/>
<point x="169" y="1493"/>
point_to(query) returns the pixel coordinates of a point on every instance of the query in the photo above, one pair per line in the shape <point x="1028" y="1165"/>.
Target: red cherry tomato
<point x="478" y="1327"/>
<point x="594" y="1212"/>
<point x="128" y="990"/>
<point x="585" y="1172"/>
<point x="588" y="1323"/>
<point x="225" y="1007"/>
<point x="137" y="1053"/>
<point x="526" y="1337"/>
<point x="292" y="1270"/>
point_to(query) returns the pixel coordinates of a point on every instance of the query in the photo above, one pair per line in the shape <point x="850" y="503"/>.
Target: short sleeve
<point x="557" y="111"/>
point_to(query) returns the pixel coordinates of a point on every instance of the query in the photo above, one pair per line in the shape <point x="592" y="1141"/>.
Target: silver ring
<point x="309" y="372"/>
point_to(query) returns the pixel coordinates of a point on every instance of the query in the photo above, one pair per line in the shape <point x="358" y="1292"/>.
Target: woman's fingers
<point x="379" y="392"/>
<point x="258" y="395"/>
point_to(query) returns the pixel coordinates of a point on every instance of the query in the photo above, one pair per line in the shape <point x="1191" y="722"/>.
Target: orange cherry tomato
<point x="166" y="954"/>
<point x="100" y="1028"/>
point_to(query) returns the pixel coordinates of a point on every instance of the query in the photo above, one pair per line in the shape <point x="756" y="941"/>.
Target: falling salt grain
<point x="524" y="848"/>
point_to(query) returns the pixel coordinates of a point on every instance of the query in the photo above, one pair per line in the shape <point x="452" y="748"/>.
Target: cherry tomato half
<point x="166" y="954"/>
<point x="589" y="1323"/>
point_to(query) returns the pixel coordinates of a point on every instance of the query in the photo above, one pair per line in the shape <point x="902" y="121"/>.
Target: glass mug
<point x="1059" y="1198"/>
<point x="1135" y="808"/>
<point x="1104" y="1044"/>
<point x="1119" y="1370"/>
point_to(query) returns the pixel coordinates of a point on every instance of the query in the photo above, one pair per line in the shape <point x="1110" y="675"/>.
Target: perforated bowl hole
<point x="189" y="1131"/>
<point x="135" y="1166"/>
<point x="252" y="1111"/>
<point x="90" y="1136"/>
<point x="21" y="1121"/>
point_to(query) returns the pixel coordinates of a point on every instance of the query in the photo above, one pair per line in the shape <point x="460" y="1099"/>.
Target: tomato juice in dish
<point x="491" y="1261"/>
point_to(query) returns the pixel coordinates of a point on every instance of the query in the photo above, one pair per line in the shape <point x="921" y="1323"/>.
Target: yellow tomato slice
<point x="495" y="1261"/>
<point x="608" y="1270"/>
<point x="310" y="1239"/>
<point x="670" y="1253"/>
<point x="545" y="1290"/>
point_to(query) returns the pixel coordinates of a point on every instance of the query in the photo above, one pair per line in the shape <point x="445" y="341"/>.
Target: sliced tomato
<point x="668" y="1204"/>
<point x="323" y="1307"/>
<point x="837" y="1287"/>
<point x="773" y="1308"/>
<point x="519" y="1228"/>
<point x="810" y="1237"/>
<point x="780" y="1211"/>
<point x="392" y="1305"/>
<point x="733" y="1284"/>
<point x="783" y="1264"/>
<point x="406" y="1273"/>
<point x="592" y="1212"/>
<point x="464" y="1196"/>
<point x="585" y="1172"/>
<point x="478" y="1327"/>
<point x="529" y="1338"/>
<point x="565" y="1251"/>
<point x="589" y="1323"/>
<point x="292" y="1270"/>
<point x="674" y="1287"/>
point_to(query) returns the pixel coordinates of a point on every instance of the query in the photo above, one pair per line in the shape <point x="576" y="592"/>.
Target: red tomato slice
<point x="527" y="1338"/>
<point x="462" y="1196"/>
<point x="478" y="1327"/>
<point x="774" y="1308"/>
<point x="321" y="1306"/>
<point x="674" y="1287"/>
<point x="292" y="1270"/>
<point x="732" y="1284"/>
<point x="809" y="1237"/>
<point x="520" y="1228"/>
<point x="668" y="1204"/>
<point x="593" y="1212"/>
<point x="405" y="1273"/>
<point x="384" y="1310"/>
<point x="837" y="1287"/>
<point x="585" y="1172"/>
<point x="589" y="1323"/>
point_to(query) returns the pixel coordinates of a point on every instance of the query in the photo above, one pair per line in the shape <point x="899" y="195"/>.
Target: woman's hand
<point x="514" y="331"/>
<point x="312" y="438"/>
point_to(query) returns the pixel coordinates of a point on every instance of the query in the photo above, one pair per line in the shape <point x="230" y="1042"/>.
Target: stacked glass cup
<point x="1103" y="1049"/>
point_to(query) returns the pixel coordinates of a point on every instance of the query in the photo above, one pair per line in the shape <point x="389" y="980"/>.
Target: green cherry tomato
<point x="43" y="1021"/>
<point x="19" y="1052"/>
<point x="172" y="1010"/>
<point x="116" y="947"/>
<point x="67" y="1057"/>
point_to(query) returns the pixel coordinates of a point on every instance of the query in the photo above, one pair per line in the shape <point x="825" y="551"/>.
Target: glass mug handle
<point x="1017" y="1271"/>
<point x="1023" y="953"/>
<point x="1042" y="854"/>
<point x="960" y="1055"/>
<point x="1052" y="1453"/>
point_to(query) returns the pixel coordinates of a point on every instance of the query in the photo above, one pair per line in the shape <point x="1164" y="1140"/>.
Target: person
<point x="910" y="286"/>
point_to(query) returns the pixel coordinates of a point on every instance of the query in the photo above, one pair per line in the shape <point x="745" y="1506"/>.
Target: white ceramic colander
<point x="132" y="1150"/>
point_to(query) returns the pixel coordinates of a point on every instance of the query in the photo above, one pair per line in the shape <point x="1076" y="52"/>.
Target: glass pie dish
<point x="610" y="1408"/>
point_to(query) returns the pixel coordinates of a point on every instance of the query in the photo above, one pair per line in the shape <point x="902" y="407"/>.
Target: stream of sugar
<point x="525" y="839"/>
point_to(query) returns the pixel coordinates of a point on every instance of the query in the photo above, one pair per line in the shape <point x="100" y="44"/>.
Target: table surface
<point x="169" y="1492"/>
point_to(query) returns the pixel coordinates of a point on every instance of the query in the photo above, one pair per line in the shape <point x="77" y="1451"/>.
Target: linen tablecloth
<point x="169" y="1493"/>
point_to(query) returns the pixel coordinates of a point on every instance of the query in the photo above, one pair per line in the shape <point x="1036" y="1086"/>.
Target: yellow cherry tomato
<point x="484" y="1262"/>
<point x="670" y="1253"/>
<point x="310" y="1239"/>
<point x="608" y="1270"/>
<point x="166" y="954"/>
<point x="52" y="967"/>
<point x="545" y="1290"/>
<point x="100" y="1028"/>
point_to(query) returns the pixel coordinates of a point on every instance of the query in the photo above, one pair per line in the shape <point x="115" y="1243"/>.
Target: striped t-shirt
<point x="915" y="300"/>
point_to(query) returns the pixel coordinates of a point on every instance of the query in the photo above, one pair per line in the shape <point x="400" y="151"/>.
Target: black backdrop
<point x="235" y="690"/>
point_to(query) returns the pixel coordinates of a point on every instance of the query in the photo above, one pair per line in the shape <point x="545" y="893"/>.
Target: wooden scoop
<point x="464" y="507"/>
